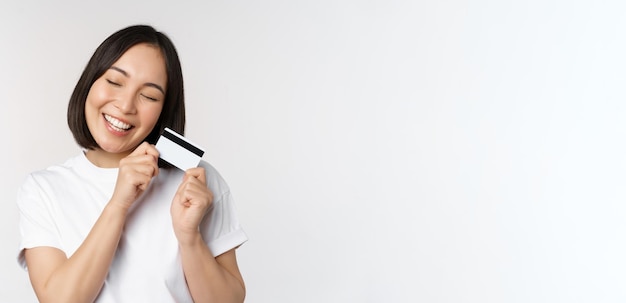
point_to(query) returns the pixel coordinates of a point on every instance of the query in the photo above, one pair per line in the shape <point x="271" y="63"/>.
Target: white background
<point x="378" y="151"/>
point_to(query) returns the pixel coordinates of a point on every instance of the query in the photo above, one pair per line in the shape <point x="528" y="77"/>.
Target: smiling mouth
<point x="116" y="124"/>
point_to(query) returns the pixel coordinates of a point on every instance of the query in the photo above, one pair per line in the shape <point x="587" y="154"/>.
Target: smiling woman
<point x="124" y="104"/>
<point x="111" y="57"/>
<point x="111" y="217"/>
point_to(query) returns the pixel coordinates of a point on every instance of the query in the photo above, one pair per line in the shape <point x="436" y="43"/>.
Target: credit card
<point x="178" y="150"/>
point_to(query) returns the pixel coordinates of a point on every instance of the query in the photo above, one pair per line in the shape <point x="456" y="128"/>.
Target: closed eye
<point x="149" y="98"/>
<point x="113" y="83"/>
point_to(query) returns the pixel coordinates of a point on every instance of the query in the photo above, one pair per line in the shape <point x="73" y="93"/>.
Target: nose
<point x="126" y="104"/>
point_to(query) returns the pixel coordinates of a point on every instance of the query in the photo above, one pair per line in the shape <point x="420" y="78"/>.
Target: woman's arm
<point x="209" y="278"/>
<point x="56" y="278"/>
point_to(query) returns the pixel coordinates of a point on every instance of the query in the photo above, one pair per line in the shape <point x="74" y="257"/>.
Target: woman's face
<point x="124" y="105"/>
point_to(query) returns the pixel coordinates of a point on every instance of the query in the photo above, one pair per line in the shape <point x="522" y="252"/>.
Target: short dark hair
<point x="173" y="112"/>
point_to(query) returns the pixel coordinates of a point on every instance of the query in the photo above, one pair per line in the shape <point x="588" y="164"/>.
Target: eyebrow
<point x="149" y="84"/>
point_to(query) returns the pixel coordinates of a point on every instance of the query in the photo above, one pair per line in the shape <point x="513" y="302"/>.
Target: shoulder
<point x="209" y="169"/>
<point x="48" y="179"/>
<point x="52" y="173"/>
<point x="215" y="181"/>
<point x="35" y="187"/>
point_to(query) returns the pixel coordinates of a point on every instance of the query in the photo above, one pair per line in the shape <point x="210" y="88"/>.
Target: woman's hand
<point x="191" y="202"/>
<point x="134" y="175"/>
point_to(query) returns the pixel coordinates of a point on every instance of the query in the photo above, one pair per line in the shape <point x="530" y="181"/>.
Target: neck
<point x="104" y="159"/>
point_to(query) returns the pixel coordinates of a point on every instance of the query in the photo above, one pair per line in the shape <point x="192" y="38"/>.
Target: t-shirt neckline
<point x="91" y="170"/>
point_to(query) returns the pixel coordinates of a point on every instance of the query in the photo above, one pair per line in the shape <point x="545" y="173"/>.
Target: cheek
<point x="152" y="113"/>
<point x="97" y="95"/>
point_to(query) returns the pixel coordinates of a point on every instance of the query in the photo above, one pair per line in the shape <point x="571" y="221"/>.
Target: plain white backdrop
<point x="378" y="151"/>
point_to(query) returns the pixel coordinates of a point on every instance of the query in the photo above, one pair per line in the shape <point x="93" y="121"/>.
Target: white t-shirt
<point x="59" y="205"/>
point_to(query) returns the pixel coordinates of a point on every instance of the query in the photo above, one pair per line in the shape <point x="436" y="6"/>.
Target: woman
<point x="109" y="225"/>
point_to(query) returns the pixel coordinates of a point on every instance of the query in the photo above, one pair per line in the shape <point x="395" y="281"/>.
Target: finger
<point x="137" y="176"/>
<point x="154" y="153"/>
<point x="151" y="150"/>
<point x="194" y="190"/>
<point x="139" y="159"/>
<point x="149" y="170"/>
<point x="180" y="190"/>
<point x="142" y="182"/>
<point x="142" y="161"/>
<point x="146" y="148"/>
<point x="141" y="149"/>
<point x="198" y="173"/>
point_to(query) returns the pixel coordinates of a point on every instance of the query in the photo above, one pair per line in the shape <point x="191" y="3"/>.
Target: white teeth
<point x="119" y="125"/>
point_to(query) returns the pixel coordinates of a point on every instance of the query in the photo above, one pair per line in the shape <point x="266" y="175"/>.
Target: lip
<point x="113" y="130"/>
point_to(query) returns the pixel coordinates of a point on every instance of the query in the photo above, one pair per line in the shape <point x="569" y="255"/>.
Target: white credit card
<point x="178" y="151"/>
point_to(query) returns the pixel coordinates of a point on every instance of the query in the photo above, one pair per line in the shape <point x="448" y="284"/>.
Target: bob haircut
<point x="173" y="112"/>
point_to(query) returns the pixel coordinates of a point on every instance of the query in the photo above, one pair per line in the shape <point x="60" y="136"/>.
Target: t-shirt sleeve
<point x="36" y="226"/>
<point x="220" y="228"/>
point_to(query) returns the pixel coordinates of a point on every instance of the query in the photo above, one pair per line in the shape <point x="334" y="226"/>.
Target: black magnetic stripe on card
<point x="163" y="163"/>
<point x="188" y="146"/>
